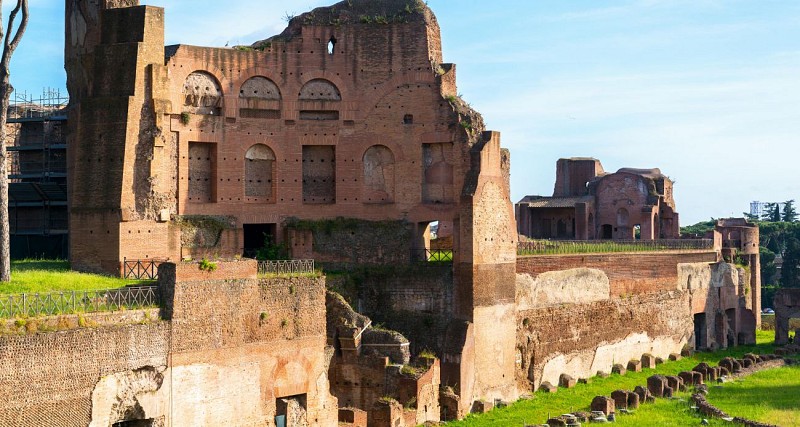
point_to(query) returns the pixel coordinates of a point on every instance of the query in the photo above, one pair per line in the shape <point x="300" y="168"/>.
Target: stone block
<point x="547" y="387"/>
<point x="603" y="404"/>
<point x="668" y="392"/>
<point x="635" y="366"/>
<point x="557" y="422"/>
<point x="656" y="385"/>
<point x="620" y="399"/>
<point x="582" y="417"/>
<point x="748" y="363"/>
<point x="619" y="369"/>
<point x="675" y="356"/>
<point x="754" y="357"/>
<point x="659" y="360"/>
<point x="687" y="352"/>
<point x="482" y="406"/>
<point x="648" y="361"/>
<point x="687" y="377"/>
<point x="697" y="378"/>
<point x="602" y="374"/>
<point x="566" y="381"/>
<point x="633" y="401"/>
<point x="643" y="393"/>
<point x="676" y="383"/>
<point x="724" y="372"/>
<point x="584" y="380"/>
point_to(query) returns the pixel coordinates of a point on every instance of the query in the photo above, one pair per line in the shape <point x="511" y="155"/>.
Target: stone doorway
<point x="255" y="236"/>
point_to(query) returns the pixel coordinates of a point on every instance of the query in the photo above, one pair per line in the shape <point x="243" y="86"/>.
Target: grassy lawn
<point x="768" y="396"/>
<point x="32" y="276"/>
<point x="674" y="412"/>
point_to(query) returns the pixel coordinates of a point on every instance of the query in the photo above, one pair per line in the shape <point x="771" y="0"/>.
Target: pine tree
<point x="772" y="212"/>
<point x="789" y="213"/>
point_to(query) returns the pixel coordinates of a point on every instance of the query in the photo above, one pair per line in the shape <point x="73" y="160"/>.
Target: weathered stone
<point x="620" y="399"/>
<point x="619" y="369"/>
<point x="633" y="400"/>
<point x="566" y="381"/>
<point x="656" y="385"/>
<point x="482" y="406"/>
<point x="676" y="383"/>
<point x="668" y="392"/>
<point x="648" y="361"/>
<point x="635" y="366"/>
<point x="602" y="374"/>
<point x="687" y="377"/>
<point x="547" y="387"/>
<point x="582" y="417"/>
<point x="643" y="393"/>
<point x="557" y="422"/>
<point x="659" y="360"/>
<point x="584" y="380"/>
<point x="603" y="404"/>
<point x="675" y="357"/>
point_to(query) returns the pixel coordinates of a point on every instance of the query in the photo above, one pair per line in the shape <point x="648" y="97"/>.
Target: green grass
<point x="556" y="247"/>
<point x="663" y="412"/>
<point x="32" y="276"/>
<point x="771" y="396"/>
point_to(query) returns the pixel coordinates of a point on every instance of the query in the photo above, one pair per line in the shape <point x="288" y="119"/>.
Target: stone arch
<point x="379" y="175"/>
<point x="259" y="98"/>
<point x="202" y="94"/>
<point x="319" y="90"/>
<point x="261" y="88"/>
<point x="259" y="174"/>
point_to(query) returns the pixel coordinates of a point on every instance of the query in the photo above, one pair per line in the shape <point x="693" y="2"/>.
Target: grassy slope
<point x="33" y="276"/>
<point x="664" y="412"/>
<point x="769" y="396"/>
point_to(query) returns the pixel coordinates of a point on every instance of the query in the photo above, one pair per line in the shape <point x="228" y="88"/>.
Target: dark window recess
<point x="408" y="119"/>
<point x="252" y="113"/>
<point x="319" y="115"/>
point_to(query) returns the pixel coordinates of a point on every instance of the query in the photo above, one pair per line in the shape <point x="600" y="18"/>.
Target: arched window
<point x="259" y="174"/>
<point x="202" y="94"/>
<point x="378" y="179"/>
<point x="259" y="98"/>
<point x="319" y="100"/>
<point x="320" y="90"/>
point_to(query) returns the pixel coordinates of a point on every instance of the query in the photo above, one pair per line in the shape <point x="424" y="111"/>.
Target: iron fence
<point x="432" y="255"/>
<point x="286" y="267"/>
<point x="552" y="247"/>
<point x="70" y="302"/>
<point x="140" y="269"/>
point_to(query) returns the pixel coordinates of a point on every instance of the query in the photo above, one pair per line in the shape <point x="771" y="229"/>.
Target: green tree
<point x="769" y="270"/>
<point x="789" y="213"/>
<point x="772" y="212"/>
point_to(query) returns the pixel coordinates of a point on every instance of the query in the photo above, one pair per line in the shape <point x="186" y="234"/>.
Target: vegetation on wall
<point x="203" y="231"/>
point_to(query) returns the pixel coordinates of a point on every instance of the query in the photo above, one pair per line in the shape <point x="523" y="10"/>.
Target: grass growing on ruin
<point x="771" y="397"/>
<point x="32" y="276"/>
<point x="664" y="412"/>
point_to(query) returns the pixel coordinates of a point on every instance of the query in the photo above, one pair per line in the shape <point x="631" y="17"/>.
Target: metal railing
<point x="70" y="302"/>
<point x="553" y="247"/>
<point x="286" y="267"/>
<point x="140" y="269"/>
<point x="432" y="255"/>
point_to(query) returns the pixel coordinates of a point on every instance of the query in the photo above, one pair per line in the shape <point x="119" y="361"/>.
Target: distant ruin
<point x="341" y="140"/>
<point x="590" y="204"/>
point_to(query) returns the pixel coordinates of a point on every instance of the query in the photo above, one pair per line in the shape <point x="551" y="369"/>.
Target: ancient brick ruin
<point x="343" y="139"/>
<point x="590" y="204"/>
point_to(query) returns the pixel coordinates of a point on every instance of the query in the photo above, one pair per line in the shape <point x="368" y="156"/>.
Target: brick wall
<point x="628" y="273"/>
<point x="48" y="378"/>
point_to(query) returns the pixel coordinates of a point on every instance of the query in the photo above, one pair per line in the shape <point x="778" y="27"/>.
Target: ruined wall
<point x="49" y="378"/>
<point x="600" y="334"/>
<point x="627" y="273"/>
<point x="787" y="306"/>
<point x="343" y="242"/>
<point x="415" y="300"/>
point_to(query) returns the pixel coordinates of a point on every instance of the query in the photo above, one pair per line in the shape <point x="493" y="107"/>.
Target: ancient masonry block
<point x="566" y="381"/>
<point x="643" y="393"/>
<point x="656" y="385"/>
<point x="621" y="398"/>
<point x="675" y="357"/>
<point x="619" y="369"/>
<point x="603" y="404"/>
<point x="648" y="361"/>
<point x="636" y="365"/>
<point x="548" y="388"/>
<point x="676" y="383"/>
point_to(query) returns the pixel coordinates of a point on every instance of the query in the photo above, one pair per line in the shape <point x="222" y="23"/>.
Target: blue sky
<point x="706" y="90"/>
